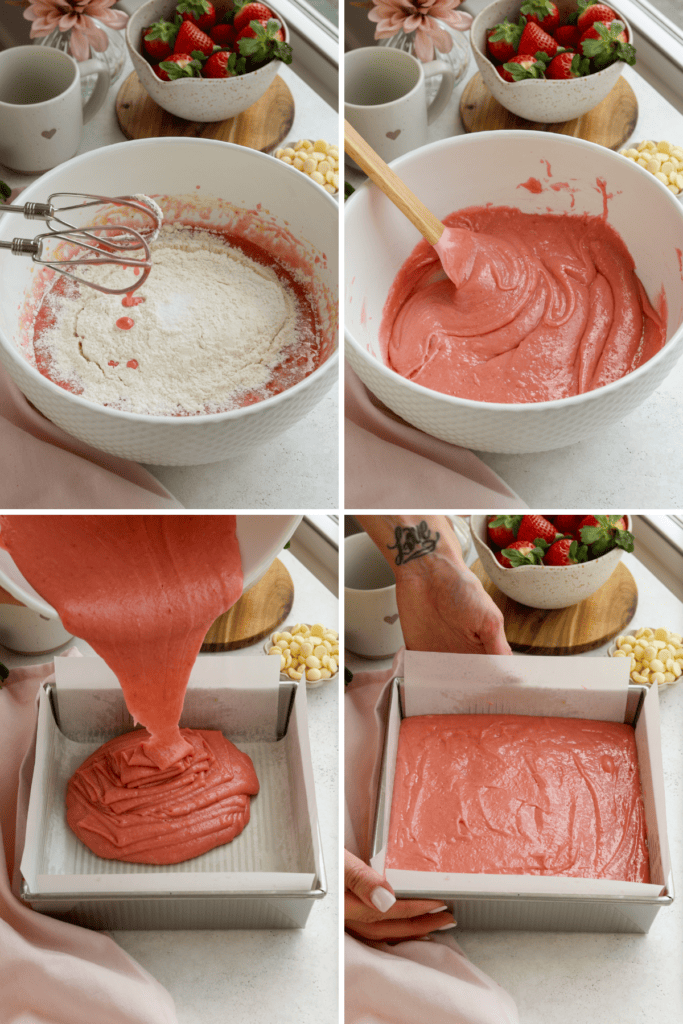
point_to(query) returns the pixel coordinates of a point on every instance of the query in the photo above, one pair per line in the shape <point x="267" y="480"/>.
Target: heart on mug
<point x="48" y="134"/>
<point x="390" y="619"/>
<point x="394" y="135"/>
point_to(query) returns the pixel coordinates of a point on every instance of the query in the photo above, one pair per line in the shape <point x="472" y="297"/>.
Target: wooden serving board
<point x="257" y="613"/>
<point x="264" y="125"/>
<point x="583" y="627"/>
<point x="610" y="124"/>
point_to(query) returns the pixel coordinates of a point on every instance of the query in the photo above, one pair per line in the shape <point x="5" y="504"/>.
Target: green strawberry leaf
<point x="5" y="191"/>
<point x="509" y="522"/>
<point x="625" y="540"/>
<point x="166" y="31"/>
<point x="264" y="46"/>
<point x="4" y="671"/>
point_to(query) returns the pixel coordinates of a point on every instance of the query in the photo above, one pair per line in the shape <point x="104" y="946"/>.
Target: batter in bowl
<point x="553" y="309"/>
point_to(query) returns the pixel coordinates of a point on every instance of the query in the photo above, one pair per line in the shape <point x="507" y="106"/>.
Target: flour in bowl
<point x="217" y="325"/>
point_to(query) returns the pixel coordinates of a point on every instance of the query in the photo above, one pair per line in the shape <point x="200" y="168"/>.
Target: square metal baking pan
<point x="507" y="908"/>
<point x="268" y="877"/>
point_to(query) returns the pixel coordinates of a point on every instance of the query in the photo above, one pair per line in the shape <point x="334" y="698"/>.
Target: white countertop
<point x="622" y="464"/>
<point x="556" y="978"/>
<point x="289" y="976"/>
<point x="308" y="452"/>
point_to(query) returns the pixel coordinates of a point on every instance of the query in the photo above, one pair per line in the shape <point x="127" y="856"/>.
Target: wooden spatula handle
<point x="429" y="226"/>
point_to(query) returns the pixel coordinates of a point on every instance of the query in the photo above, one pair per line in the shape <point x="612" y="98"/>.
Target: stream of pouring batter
<point x="143" y="591"/>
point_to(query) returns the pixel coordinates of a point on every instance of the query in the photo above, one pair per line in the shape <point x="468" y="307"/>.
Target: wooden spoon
<point x="457" y="248"/>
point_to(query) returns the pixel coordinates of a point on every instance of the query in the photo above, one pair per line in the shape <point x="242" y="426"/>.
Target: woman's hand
<point x="371" y="911"/>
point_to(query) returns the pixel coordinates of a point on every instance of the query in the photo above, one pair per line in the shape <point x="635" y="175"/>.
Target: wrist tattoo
<point x="413" y="542"/>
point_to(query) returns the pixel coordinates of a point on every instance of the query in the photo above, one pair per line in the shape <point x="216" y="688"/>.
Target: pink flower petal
<point x="79" y="47"/>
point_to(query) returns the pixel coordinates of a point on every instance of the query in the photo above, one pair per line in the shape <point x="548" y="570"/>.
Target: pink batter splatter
<point x="547" y="165"/>
<point x="113" y="362"/>
<point x="125" y="323"/>
<point x="132" y="300"/>
<point x="561" y="186"/>
<point x="601" y="186"/>
<point x="533" y="185"/>
<point x="132" y="364"/>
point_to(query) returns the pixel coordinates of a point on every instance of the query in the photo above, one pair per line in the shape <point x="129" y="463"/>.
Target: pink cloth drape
<point x="41" y="466"/>
<point x="411" y="982"/>
<point x="390" y="464"/>
<point x="52" y="972"/>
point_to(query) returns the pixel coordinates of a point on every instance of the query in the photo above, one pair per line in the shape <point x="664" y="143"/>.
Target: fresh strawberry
<point x="522" y="66"/>
<point x="605" y="44"/>
<point x="159" y="38"/>
<point x="602" y="533"/>
<point x="591" y="11"/>
<point x="246" y="12"/>
<point x="262" y="43"/>
<point x="503" y="39"/>
<point x="567" y="36"/>
<point x="534" y="40"/>
<point x="191" y="38"/>
<point x="224" y="65"/>
<point x="502" y="530"/>
<point x="565" y="552"/>
<point x="568" y="65"/>
<point x="223" y="35"/>
<point x="533" y="527"/>
<point x="542" y="12"/>
<point x="201" y="13"/>
<point x="568" y="524"/>
<point x="521" y="552"/>
<point x="178" y="65"/>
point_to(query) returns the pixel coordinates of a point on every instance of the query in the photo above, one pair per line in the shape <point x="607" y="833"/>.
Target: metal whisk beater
<point x="93" y="244"/>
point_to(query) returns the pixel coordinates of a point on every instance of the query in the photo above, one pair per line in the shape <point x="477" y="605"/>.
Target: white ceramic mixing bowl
<point x="288" y="202"/>
<point x="490" y="167"/>
<point x="261" y="538"/>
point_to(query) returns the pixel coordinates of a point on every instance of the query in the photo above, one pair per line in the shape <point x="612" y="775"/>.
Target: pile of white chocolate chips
<point x="309" y="650"/>
<point x="663" y="159"/>
<point x="656" y="655"/>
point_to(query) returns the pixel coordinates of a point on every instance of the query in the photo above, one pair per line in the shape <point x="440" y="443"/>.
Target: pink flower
<point x="419" y="16"/>
<point x="75" y="16"/>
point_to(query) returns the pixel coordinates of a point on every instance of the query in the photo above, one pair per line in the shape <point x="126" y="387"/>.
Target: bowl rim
<point x="596" y="75"/>
<point x="135" y="19"/>
<point x="519" y="408"/>
<point x="476" y="539"/>
<point x="200" y="418"/>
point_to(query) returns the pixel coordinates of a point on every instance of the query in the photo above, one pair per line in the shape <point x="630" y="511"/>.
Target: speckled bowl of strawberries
<point x="550" y="561"/>
<point x="558" y="89"/>
<point x="206" y="60"/>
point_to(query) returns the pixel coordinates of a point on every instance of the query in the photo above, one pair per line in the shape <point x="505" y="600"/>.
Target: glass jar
<point x="113" y="57"/>
<point x="458" y="56"/>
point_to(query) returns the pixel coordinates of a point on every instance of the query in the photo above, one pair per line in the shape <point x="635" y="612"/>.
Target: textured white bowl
<point x="536" y="99"/>
<point x="544" y="586"/>
<point x="489" y="167"/>
<point x="196" y="99"/>
<point x="243" y="177"/>
<point x="260" y="538"/>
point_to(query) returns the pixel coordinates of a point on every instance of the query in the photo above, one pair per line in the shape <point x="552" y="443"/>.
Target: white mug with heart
<point x="371" y="623"/>
<point x="41" y="109"/>
<point x="386" y="98"/>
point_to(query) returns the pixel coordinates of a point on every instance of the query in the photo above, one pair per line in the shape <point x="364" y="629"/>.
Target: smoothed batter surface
<point x="510" y="794"/>
<point x="546" y="306"/>
<point x="143" y="591"/>
<point x="123" y="807"/>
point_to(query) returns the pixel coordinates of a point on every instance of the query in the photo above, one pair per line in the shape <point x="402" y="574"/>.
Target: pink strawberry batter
<point x="508" y="794"/>
<point x="143" y="591"/>
<point x="544" y="307"/>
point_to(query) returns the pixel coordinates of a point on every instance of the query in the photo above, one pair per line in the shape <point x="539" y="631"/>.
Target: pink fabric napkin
<point x="390" y="464"/>
<point x="414" y="981"/>
<point x="41" y="466"/>
<point x="52" y="972"/>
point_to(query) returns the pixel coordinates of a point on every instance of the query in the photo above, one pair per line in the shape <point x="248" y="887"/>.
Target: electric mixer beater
<point x="66" y="246"/>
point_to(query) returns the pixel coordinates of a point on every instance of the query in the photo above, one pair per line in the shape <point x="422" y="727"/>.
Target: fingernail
<point x="439" y="910"/>
<point x="445" y="927"/>
<point x="382" y="899"/>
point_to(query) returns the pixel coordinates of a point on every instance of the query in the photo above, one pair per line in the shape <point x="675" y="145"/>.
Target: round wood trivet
<point x="257" y="613"/>
<point x="264" y="125"/>
<point x="583" y="627"/>
<point x="610" y="124"/>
